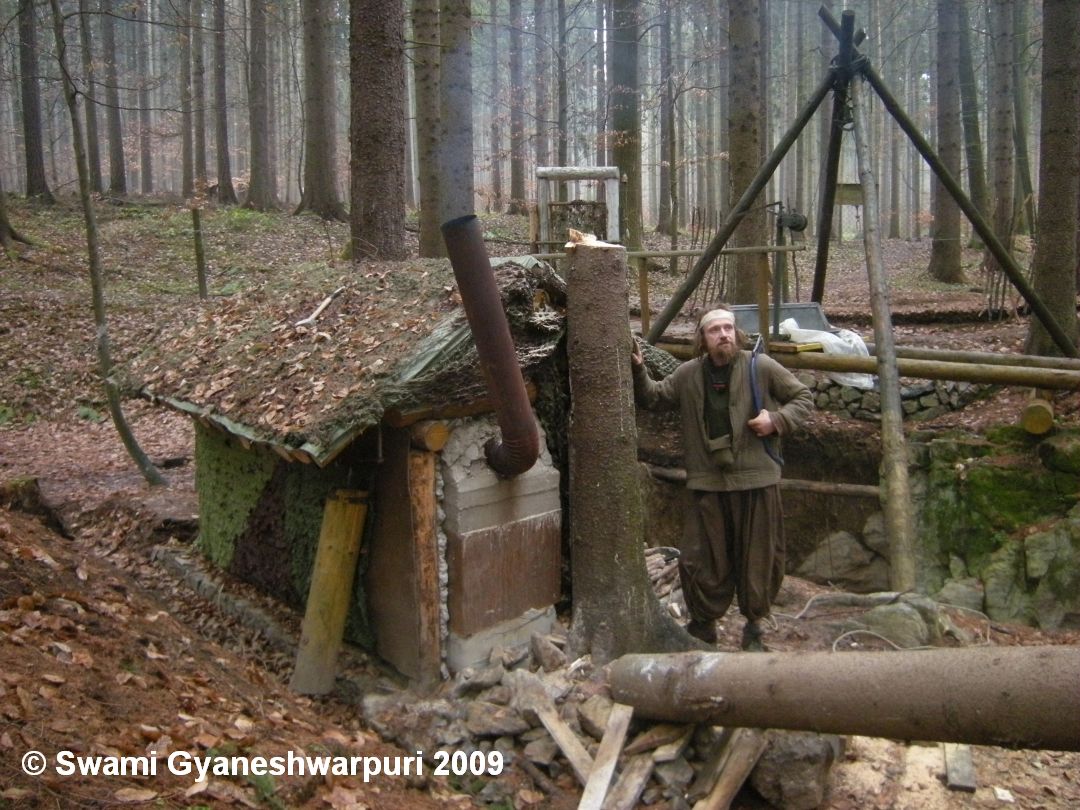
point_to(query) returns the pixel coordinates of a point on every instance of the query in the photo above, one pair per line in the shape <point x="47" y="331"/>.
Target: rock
<point x="499" y="694"/>
<point x="1061" y="452"/>
<point x="966" y="593"/>
<point x="542" y="751"/>
<point x="529" y="694"/>
<point x="1053" y="557"/>
<point x="845" y="562"/>
<point x="793" y="772"/>
<point x="1004" y="581"/>
<point x="1043" y="548"/>
<point x="416" y="725"/>
<point x="676" y="774"/>
<point x="873" y="535"/>
<point x="546" y="654"/>
<point x="489" y="720"/>
<point x="593" y="715"/>
<point x="471" y="680"/>
<point x="901" y="623"/>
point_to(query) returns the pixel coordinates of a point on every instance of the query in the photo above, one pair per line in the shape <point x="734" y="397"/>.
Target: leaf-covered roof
<point x="393" y="337"/>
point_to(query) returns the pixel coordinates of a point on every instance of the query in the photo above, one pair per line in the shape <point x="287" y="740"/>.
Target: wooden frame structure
<point x="547" y="178"/>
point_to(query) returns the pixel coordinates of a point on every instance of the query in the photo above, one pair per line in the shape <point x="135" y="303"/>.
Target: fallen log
<point x="1015" y="697"/>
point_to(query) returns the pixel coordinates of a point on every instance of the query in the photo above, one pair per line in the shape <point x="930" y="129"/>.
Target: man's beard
<point x="723" y="353"/>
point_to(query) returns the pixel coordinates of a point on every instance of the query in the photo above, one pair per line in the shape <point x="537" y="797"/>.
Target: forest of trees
<point x="454" y="104"/>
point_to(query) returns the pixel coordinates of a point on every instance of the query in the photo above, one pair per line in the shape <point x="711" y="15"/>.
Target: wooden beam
<point x="330" y="592"/>
<point x="607" y="755"/>
<point x="567" y="741"/>
<point x="631" y="783"/>
<point x="429" y="435"/>
<point x="423" y="507"/>
<point x="743" y="751"/>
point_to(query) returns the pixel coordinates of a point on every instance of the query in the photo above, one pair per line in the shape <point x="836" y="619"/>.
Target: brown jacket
<point x="787" y="400"/>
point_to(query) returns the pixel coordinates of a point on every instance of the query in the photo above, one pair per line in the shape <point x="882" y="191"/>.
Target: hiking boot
<point x="702" y="630"/>
<point x="751" y="638"/>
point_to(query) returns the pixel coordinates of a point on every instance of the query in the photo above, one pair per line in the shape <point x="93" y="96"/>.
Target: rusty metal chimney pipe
<point x="520" y="445"/>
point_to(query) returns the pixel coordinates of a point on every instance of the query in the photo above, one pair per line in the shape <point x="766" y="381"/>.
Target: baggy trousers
<point x="733" y="545"/>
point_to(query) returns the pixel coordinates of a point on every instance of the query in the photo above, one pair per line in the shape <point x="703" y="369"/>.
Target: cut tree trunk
<point x="615" y="610"/>
<point x="1018" y="697"/>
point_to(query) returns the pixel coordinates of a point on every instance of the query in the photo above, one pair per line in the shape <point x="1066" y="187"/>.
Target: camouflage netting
<point x="393" y="337"/>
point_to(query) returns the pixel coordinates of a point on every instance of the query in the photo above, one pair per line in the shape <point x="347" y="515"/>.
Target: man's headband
<point x="716" y="315"/>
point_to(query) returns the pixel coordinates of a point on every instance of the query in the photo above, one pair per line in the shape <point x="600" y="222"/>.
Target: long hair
<point x="742" y="340"/>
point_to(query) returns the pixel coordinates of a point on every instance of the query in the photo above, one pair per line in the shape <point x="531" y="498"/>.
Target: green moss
<point x="979" y="494"/>
<point x="229" y="481"/>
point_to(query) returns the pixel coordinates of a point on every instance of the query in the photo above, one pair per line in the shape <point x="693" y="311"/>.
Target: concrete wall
<point x="503" y="540"/>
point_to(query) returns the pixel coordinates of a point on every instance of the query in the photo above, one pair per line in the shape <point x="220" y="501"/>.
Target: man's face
<point x="720" y="340"/>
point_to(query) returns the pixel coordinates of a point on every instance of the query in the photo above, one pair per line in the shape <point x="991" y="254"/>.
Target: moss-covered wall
<point x="998" y="515"/>
<point x="260" y="516"/>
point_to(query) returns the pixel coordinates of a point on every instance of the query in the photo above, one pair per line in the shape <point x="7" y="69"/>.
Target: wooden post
<point x="330" y="592"/>
<point x="643" y="292"/>
<point x="894" y="462"/>
<point x="1038" y="415"/>
<point x="831" y="171"/>
<point x="735" y="216"/>
<point x="200" y="252"/>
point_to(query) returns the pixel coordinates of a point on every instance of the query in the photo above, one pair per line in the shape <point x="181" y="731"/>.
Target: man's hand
<point x="635" y="354"/>
<point x="762" y="424"/>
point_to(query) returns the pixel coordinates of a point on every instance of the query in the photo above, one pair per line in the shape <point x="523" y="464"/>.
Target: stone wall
<point x="921" y="400"/>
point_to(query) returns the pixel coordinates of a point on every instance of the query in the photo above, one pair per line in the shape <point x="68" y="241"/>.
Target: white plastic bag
<point x="843" y="341"/>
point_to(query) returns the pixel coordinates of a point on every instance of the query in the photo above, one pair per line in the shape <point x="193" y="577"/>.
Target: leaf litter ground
<point x="104" y="652"/>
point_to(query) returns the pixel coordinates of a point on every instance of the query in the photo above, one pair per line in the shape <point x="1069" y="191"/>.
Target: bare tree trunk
<point x="226" y="194"/>
<point x="625" y="100"/>
<point x="146" y="467"/>
<point x="542" y="84"/>
<point x="426" y="61"/>
<point x="37" y="185"/>
<point x="615" y="610"/>
<point x="746" y="134"/>
<point x="945" y="251"/>
<point x="1000" y="124"/>
<point x="142" y="57"/>
<point x="496" y="116"/>
<point x="93" y="143"/>
<point x="562" y="102"/>
<point x="1025" y="192"/>
<point x="973" y="145"/>
<point x="262" y="190"/>
<point x="377" y="170"/>
<point x="187" y="143"/>
<point x="117" y="170"/>
<point x="320" y="143"/>
<point x="8" y="234"/>
<point x="1054" y="265"/>
<point x="198" y="77"/>
<point x="455" y="110"/>
<point x="518" y="204"/>
<point x="664" y="222"/>
<point x="600" y="71"/>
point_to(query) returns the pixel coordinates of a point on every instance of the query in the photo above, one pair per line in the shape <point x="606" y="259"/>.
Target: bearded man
<point x="733" y="540"/>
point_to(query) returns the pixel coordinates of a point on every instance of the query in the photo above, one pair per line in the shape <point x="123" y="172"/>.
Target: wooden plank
<point x="607" y="755"/>
<point x="425" y="543"/>
<point x="710" y="771"/>
<point x="330" y="593"/>
<point x="788" y="347"/>
<point x="631" y="784"/>
<point x="959" y="768"/>
<point x="656" y="736"/>
<point x="745" y="748"/>
<point x="567" y="741"/>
